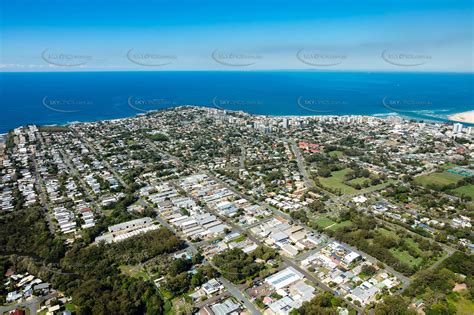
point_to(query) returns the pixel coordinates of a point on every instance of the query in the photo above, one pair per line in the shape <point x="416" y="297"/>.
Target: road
<point x="31" y="304"/>
<point x="42" y="191"/>
<point x="242" y="155"/>
<point x="77" y="175"/>
<point x="169" y="156"/>
<point x="168" y="226"/>
<point x="301" y="164"/>
<point x="103" y="159"/>
<point x="285" y="259"/>
<point x="239" y="295"/>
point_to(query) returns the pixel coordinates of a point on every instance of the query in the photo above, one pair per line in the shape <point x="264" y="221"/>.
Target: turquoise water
<point x="58" y="98"/>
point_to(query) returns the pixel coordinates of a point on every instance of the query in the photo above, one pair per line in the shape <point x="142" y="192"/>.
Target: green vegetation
<point x="323" y="303"/>
<point x="406" y="258"/>
<point x="158" y="137"/>
<point x="135" y="271"/>
<point x="340" y="225"/>
<point x="324" y="222"/>
<point x="394" y="305"/>
<point x="53" y="128"/>
<point x="238" y="266"/>
<point x="239" y="239"/>
<point x="435" y="287"/>
<point x="405" y="253"/>
<point x="29" y="235"/>
<point x="179" y="280"/>
<point x="91" y="274"/>
<point x="349" y="180"/>
<point x="336" y="153"/>
<point x="438" y="179"/>
<point x="336" y="182"/>
<point x="467" y="191"/>
<point x="461" y="303"/>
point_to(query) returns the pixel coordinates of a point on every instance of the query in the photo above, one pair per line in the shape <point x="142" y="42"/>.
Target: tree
<point x="325" y="304"/>
<point x="324" y="172"/>
<point x="393" y="305"/>
<point x="368" y="270"/>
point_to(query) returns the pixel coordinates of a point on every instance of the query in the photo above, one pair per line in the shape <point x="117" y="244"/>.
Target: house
<point x="284" y="278"/>
<point x="289" y="249"/>
<point x="229" y="306"/>
<point x="350" y="258"/>
<point x="212" y="286"/>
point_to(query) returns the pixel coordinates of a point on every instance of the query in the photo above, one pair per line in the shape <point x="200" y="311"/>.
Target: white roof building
<point x="284" y="278"/>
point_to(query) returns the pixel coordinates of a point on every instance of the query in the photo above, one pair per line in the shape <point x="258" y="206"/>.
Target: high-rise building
<point x="457" y="128"/>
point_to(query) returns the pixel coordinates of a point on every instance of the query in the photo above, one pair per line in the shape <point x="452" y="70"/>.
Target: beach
<point x="465" y="117"/>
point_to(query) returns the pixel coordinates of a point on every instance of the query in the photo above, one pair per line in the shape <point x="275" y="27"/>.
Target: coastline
<point x="463" y="117"/>
<point x="375" y="115"/>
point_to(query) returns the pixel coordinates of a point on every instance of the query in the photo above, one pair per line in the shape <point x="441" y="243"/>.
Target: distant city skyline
<point x="237" y="35"/>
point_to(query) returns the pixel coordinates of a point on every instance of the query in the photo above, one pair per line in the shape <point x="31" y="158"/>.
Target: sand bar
<point x="466" y="117"/>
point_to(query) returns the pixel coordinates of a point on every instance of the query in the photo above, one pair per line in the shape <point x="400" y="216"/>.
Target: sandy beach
<point x="466" y="117"/>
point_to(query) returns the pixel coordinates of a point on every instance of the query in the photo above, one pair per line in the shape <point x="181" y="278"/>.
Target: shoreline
<point x="463" y="117"/>
<point x="447" y="119"/>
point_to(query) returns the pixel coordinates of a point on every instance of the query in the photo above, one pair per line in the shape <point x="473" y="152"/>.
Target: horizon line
<point x="246" y="70"/>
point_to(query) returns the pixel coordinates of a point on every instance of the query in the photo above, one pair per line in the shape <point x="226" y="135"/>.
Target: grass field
<point x="406" y="258"/>
<point x="403" y="256"/>
<point x="336" y="181"/>
<point x="438" y="179"/>
<point x="324" y="222"/>
<point x="467" y="190"/>
<point x="447" y="166"/>
<point x="411" y="243"/>
<point x="462" y="304"/>
<point x="133" y="271"/>
<point x="340" y="225"/>
<point x="388" y="233"/>
<point x="336" y="153"/>
<point x="359" y="180"/>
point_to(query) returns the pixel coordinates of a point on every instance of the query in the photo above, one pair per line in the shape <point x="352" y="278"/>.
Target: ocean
<point x="62" y="97"/>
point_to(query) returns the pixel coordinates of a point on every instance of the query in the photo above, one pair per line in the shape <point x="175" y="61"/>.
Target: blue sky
<point x="72" y="35"/>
